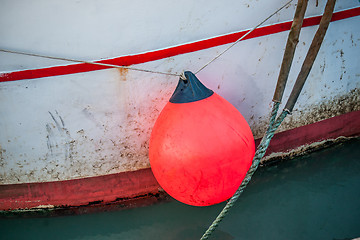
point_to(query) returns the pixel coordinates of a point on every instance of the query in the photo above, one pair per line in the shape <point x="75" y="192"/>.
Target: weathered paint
<point x="331" y="107"/>
<point x="312" y="136"/>
<point x="93" y="124"/>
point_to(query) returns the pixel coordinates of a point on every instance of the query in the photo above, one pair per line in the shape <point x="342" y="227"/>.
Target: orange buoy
<point x="201" y="146"/>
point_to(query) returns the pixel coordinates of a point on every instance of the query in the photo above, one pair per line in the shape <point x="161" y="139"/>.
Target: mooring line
<point x="88" y="62"/>
<point x="242" y="37"/>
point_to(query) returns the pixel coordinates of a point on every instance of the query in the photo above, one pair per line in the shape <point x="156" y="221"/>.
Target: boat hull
<point x="67" y="127"/>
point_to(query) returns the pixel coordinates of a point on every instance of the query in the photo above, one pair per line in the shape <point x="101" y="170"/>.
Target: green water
<point x="312" y="197"/>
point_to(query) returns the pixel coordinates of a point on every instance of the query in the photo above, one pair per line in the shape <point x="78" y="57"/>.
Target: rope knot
<point x="182" y="76"/>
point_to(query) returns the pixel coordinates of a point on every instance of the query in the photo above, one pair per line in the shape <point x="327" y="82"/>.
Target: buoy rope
<point x="88" y="62"/>
<point x="274" y="122"/>
<point x="273" y="125"/>
<point x="242" y="37"/>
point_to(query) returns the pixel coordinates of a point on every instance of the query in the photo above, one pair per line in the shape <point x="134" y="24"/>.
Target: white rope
<point x="242" y="37"/>
<point x="93" y="63"/>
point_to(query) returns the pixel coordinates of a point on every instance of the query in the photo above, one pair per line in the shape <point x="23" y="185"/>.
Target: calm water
<point x="313" y="197"/>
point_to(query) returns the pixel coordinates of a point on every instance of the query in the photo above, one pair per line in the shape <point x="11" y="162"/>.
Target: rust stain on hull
<point x="123" y="73"/>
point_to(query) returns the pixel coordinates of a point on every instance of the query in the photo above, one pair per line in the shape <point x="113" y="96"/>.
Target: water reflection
<point x="160" y="232"/>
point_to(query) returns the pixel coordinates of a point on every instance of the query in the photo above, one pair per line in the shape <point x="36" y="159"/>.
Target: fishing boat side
<point x="78" y="134"/>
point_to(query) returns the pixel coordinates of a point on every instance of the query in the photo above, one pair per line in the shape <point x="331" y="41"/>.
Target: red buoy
<point x="201" y="146"/>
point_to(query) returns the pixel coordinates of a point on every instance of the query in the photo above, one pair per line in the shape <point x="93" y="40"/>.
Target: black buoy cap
<point x="190" y="90"/>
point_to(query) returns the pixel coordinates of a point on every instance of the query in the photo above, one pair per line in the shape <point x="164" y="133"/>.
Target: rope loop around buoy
<point x="182" y="76"/>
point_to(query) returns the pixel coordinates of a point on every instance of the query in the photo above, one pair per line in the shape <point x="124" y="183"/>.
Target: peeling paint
<point x="302" y="150"/>
<point x="45" y="207"/>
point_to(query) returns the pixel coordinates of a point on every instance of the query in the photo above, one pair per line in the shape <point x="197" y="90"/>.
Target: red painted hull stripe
<point x="169" y="52"/>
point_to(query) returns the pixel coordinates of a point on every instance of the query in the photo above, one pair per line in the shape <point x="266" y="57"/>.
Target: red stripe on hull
<point x="169" y="52"/>
<point x="127" y="185"/>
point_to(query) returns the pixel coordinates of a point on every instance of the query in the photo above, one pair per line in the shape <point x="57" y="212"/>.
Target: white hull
<point x="97" y="123"/>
